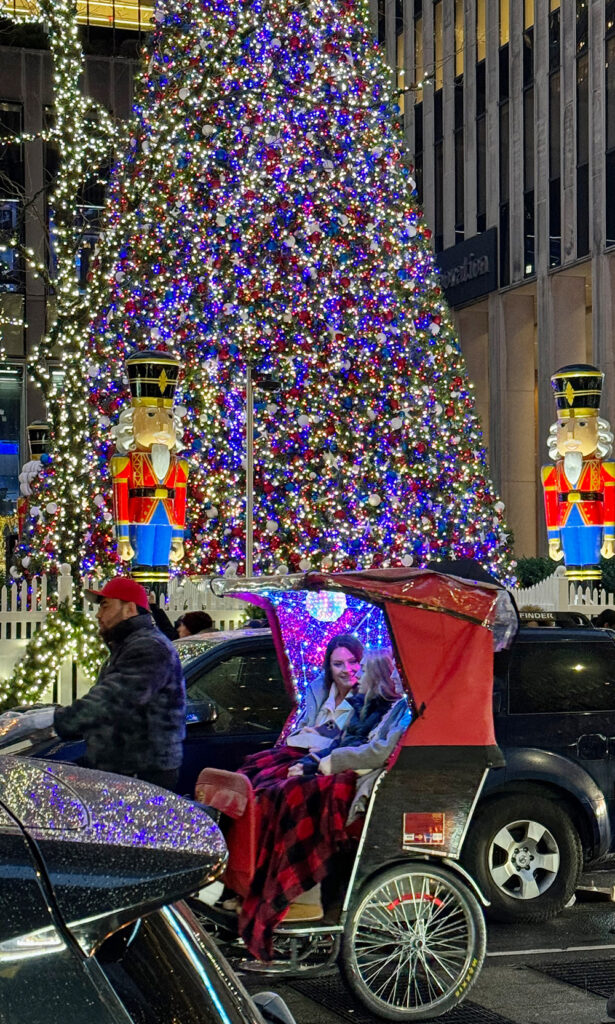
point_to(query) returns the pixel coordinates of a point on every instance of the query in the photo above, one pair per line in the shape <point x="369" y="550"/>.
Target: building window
<point x="418" y="150"/>
<point x="504" y="75"/>
<point x="481" y="30"/>
<point x="582" y="20"/>
<point x="528" y="139"/>
<point x="11" y="409"/>
<point x="528" y="183"/>
<point x="504" y="154"/>
<point x="582" y="154"/>
<point x="381" y="21"/>
<point x="609" y="72"/>
<point x="439" y="197"/>
<point x="419" y="62"/>
<point x="438" y="45"/>
<point x="400" y="54"/>
<point x="554" y="39"/>
<point x="504" y="245"/>
<point x="555" y="202"/>
<point x="528" y="56"/>
<point x="504" y="22"/>
<point x="459" y="162"/>
<point x="529" y="234"/>
<point x="11" y="197"/>
<point x="459" y="38"/>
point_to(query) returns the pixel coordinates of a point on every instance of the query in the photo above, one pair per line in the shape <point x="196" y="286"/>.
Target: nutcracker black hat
<point x="152" y="377"/>
<point x="578" y="389"/>
<point x="38" y="437"/>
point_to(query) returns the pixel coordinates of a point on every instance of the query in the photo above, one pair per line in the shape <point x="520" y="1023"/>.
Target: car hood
<point x="109" y="848"/>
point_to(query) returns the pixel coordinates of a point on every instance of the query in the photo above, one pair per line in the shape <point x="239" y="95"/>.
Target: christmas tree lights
<point x="279" y="229"/>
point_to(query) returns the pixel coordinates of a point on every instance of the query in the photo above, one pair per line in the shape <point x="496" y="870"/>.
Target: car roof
<point x="191" y="647"/>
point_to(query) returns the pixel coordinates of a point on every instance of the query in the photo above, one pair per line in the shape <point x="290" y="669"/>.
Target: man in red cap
<point x="133" y="718"/>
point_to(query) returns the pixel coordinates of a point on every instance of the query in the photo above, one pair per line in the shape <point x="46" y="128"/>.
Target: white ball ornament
<point x="98" y="500"/>
<point x="107" y="516"/>
<point x="407" y="560"/>
<point x="374" y="499"/>
<point x="397" y="423"/>
<point x="271" y="526"/>
<point x="434" y="328"/>
<point x="184" y="93"/>
<point x="303" y="421"/>
<point x="282" y="570"/>
<point x="371" y="415"/>
<point x="305" y="564"/>
<point x="35" y="512"/>
<point x="51" y="508"/>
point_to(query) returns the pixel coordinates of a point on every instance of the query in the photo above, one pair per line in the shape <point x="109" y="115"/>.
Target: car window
<point x="556" y="677"/>
<point x="248" y="690"/>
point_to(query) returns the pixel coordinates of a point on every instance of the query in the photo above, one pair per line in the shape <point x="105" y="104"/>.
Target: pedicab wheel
<point x="414" y="942"/>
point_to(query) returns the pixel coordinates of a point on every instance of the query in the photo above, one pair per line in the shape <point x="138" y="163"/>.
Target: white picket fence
<point x="24" y="607"/>
<point x="559" y="594"/>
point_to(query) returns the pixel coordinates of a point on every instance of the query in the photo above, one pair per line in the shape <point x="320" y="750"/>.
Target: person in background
<point x="194" y="622"/>
<point x="161" y="618"/>
<point x="606" y="619"/>
<point x="133" y="718"/>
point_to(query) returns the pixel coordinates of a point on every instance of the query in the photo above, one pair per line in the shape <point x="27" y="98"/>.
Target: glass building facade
<point x="510" y="115"/>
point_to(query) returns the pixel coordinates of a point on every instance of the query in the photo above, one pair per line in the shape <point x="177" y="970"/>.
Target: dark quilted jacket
<point x="133" y="718"/>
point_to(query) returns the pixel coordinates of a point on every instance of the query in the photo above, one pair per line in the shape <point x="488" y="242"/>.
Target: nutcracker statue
<point x="38" y="445"/>
<point x="579" y="490"/>
<point x="149" y="481"/>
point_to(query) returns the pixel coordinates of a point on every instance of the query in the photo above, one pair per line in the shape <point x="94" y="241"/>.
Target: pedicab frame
<point x="411" y="935"/>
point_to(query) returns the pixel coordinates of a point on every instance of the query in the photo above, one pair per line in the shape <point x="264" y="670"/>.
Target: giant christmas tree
<point x="277" y="226"/>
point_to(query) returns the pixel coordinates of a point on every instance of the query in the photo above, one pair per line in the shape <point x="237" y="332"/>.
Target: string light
<point x="66" y="633"/>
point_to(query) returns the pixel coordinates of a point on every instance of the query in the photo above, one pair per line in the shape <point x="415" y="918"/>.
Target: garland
<point x="66" y="633"/>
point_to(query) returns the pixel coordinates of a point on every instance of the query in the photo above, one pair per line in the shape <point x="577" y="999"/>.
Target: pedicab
<point x="408" y="930"/>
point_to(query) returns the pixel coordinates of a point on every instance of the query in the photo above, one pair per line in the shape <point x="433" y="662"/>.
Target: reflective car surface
<point x="91" y="867"/>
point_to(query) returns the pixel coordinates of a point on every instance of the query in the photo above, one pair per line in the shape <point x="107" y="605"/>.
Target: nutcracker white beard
<point x="161" y="460"/>
<point x="573" y="464"/>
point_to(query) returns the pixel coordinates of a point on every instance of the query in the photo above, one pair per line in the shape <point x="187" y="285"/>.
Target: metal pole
<point x="249" y="471"/>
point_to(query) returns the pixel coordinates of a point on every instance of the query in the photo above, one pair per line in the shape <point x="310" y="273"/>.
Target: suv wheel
<point x="526" y="856"/>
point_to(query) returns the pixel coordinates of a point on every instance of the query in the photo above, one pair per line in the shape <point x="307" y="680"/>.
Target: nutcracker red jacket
<point x="593" y="495"/>
<point x="137" y="491"/>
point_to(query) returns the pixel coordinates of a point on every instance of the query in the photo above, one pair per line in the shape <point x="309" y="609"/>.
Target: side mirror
<point x="203" y="711"/>
<point x="273" y="1008"/>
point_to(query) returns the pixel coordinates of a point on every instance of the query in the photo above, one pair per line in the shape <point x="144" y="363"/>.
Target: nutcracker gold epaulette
<point x="119" y="463"/>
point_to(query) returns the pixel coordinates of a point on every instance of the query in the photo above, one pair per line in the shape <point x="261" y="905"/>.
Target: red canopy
<point x="440" y="627"/>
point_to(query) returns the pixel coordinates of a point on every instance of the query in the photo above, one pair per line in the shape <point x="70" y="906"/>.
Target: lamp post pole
<point x="249" y="471"/>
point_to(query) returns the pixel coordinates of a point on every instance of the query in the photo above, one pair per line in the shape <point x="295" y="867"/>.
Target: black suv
<point x="552" y="808"/>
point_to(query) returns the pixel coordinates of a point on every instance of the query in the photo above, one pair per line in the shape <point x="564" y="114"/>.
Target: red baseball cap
<point x="123" y="589"/>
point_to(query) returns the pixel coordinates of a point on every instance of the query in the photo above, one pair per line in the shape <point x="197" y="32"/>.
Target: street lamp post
<point x="269" y="385"/>
<point x="249" y="471"/>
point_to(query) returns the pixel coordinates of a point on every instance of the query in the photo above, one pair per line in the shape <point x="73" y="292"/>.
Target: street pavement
<point x="557" y="972"/>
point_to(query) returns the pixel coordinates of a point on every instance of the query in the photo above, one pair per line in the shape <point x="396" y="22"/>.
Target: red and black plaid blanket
<point x="302" y="825"/>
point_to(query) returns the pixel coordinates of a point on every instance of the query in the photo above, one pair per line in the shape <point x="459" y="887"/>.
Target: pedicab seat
<point x="232" y="794"/>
